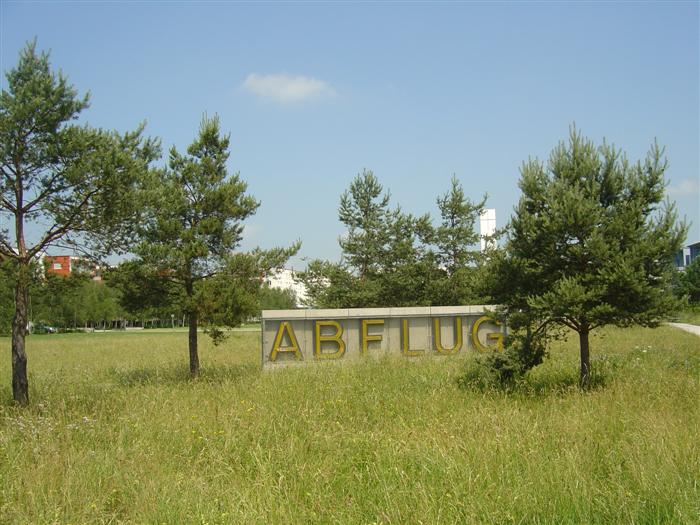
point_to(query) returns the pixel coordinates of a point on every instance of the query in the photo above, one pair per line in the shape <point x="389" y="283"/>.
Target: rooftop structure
<point x="687" y="255"/>
<point x="487" y="228"/>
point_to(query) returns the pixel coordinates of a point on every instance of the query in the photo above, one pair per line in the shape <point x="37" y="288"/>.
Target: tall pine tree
<point x="591" y="243"/>
<point x="194" y="221"/>
<point x="62" y="184"/>
<point x="364" y="211"/>
<point x="457" y="251"/>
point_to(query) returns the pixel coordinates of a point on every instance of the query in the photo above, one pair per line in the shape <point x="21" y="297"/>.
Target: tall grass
<point x="117" y="433"/>
<point x="690" y="315"/>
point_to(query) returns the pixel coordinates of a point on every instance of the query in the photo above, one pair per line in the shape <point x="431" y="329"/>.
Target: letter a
<point x="277" y="347"/>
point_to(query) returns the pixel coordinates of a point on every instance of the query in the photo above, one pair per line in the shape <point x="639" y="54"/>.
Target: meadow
<point x="690" y="316"/>
<point x="117" y="433"/>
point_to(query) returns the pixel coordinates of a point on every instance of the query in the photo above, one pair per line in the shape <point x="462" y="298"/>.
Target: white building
<point x="284" y="279"/>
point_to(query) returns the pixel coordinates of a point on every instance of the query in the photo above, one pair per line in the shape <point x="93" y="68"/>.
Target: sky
<point x="312" y="93"/>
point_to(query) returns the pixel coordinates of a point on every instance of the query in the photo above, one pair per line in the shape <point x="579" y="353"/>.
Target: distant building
<point x="687" y="255"/>
<point x="284" y="279"/>
<point x="58" y="264"/>
<point x="65" y="265"/>
<point x="488" y="228"/>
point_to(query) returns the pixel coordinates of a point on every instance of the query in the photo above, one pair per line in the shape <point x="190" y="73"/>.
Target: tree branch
<point x="6" y="249"/>
<point x="571" y="324"/>
<point x="85" y="254"/>
<point x="7" y="175"/>
<point x="56" y="231"/>
<point x="7" y="204"/>
<point x="205" y="276"/>
<point x="49" y="189"/>
<point x="544" y="325"/>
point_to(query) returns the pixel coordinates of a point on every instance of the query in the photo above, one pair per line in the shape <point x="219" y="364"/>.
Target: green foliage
<point x="100" y="303"/>
<point x="144" y="292"/>
<point x="408" y="265"/>
<point x="57" y="300"/>
<point x="67" y="184"/>
<point x="233" y="295"/>
<point x="383" y="252"/>
<point x="73" y="302"/>
<point x="331" y="285"/>
<point x="383" y="261"/>
<point x="690" y="315"/>
<point x="75" y="182"/>
<point x="455" y="239"/>
<point x="364" y="211"/>
<point x="277" y="298"/>
<point x="193" y="221"/>
<point x="497" y="370"/>
<point x="591" y="243"/>
<point x="393" y="258"/>
<point x="195" y="210"/>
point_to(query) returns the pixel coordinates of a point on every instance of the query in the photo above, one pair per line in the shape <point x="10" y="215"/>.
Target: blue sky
<point x="312" y="93"/>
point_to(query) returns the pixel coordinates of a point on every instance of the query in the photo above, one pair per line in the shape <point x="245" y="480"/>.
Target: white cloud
<point x="286" y="88"/>
<point x="686" y="188"/>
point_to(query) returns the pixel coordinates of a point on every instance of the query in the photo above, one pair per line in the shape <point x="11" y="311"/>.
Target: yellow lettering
<point x="405" y="341"/>
<point x="365" y="338"/>
<point x="457" y="339"/>
<point x="277" y="347"/>
<point x="497" y="337"/>
<point x="335" y="338"/>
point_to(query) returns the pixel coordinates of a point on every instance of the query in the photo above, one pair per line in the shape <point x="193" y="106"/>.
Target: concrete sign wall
<point x="306" y="336"/>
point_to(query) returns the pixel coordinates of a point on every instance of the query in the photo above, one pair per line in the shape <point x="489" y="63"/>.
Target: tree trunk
<point x="192" y="318"/>
<point x="585" y="378"/>
<point x="194" y="356"/>
<point x="20" y="385"/>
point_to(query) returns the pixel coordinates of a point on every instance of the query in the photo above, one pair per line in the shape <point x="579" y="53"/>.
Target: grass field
<point x="691" y="316"/>
<point x="117" y="434"/>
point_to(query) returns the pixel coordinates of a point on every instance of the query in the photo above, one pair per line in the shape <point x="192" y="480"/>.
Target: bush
<point x="504" y="369"/>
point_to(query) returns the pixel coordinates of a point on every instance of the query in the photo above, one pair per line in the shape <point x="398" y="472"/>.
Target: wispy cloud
<point x="287" y="88"/>
<point x="685" y="188"/>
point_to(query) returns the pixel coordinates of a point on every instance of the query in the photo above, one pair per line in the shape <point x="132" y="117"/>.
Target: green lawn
<point x="117" y="434"/>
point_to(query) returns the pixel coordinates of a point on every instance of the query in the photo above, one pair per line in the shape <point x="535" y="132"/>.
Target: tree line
<point x="591" y="241"/>
<point x="394" y="258"/>
<point x="77" y="302"/>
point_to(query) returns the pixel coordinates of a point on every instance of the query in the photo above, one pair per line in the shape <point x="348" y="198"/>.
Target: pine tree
<point x="408" y="265"/>
<point x="394" y="258"/>
<point x="364" y="211"/>
<point x="591" y="243"/>
<point x="194" y="220"/>
<point x="71" y="183"/>
<point x="384" y="252"/>
<point x="457" y="254"/>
